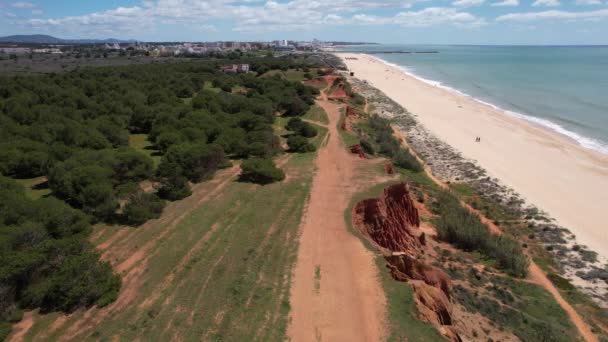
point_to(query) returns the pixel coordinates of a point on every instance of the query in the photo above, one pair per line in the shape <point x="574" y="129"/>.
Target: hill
<point x="46" y="39"/>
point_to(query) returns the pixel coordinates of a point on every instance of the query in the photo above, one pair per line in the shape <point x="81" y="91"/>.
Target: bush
<point x="301" y="128"/>
<point x="464" y="229"/>
<point x="142" y="207"/>
<point x="367" y="147"/>
<point x="299" y="144"/>
<point x="404" y="159"/>
<point x="308" y="130"/>
<point x="174" y="188"/>
<point x="260" y="171"/>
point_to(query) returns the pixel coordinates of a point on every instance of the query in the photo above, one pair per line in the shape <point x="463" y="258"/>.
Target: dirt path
<point x="336" y="293"/>
<point x="22" y="328"/>
<point x="535" y="273"/>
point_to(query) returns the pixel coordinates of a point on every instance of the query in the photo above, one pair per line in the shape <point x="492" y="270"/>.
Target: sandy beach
<point x="549" y="170"/>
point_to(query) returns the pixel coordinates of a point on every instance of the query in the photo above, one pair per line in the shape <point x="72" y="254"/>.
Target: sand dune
<point x="549" y="170"/>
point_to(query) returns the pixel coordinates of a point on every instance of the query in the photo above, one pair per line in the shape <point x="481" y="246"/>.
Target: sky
<point x="536" y="22"/>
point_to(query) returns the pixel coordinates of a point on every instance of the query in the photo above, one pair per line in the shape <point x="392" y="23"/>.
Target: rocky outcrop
<point x="404" y="267"/>
<point x="358" y="150"/>
<point x="350" y="111"/>
<point x="391" y="222"/>
<point x="388" y="220"/>
<point x="388" y="168"/>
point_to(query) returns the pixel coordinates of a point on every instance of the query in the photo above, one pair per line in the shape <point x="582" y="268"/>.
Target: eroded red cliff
<point x="358" y="150"/>
<point x="391" y="222"/>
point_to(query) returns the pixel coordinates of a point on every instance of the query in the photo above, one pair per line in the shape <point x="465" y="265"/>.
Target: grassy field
<point x="317" y="113"/>
<point x="140" y="143"/>
<point x="35" y="187"/>
<point x="290" y="75"/>
<point x="216" y="266"/>
<point x="209" y="86"/>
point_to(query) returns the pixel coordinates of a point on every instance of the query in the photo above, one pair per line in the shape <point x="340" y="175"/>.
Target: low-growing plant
<point x="142" y="207"/>
<point x="464" y="229"/>
<point x="260" y="171"/>
<point x="299" y="144"/>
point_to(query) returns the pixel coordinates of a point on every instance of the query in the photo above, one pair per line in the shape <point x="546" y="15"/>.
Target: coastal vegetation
<point x="486" y="267"/>
<point x="457" y="225"/>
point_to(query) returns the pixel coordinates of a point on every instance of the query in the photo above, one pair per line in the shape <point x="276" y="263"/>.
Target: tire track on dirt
<point x="351" y="305"/>
<point x="134" y="266"/>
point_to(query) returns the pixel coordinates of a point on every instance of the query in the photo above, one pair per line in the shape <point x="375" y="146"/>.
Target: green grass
<point x="140" y="143"/>
<point x="209" y="86"/>
<point x="317" y="114"/>
<point x="290" y="75"/>
<point x="234" y="286"/>
<point x="222" y="272"/>
<point x="35" y="188"/>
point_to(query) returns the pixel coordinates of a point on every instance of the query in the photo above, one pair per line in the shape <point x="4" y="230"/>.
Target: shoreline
<point x="589" y="143"/>
<point x="567" y="181"/>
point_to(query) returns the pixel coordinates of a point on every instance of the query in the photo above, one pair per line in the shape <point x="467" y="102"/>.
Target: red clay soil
<point x="388" y="168"/>
<point x="350" y="111"/>
<point x="535" y="273"/>
<point x="389" y="220"/>
<point x="358" y="150"/>
<point x="336" y="294"/>
<point x="391" y="223"/>
<point x="317" y="83"/>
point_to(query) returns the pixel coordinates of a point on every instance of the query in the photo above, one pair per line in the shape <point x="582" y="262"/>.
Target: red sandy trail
<point x="336" y="294"/>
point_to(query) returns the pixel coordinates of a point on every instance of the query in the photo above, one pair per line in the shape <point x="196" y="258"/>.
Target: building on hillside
<point x="15" y="50"/>
<point x="235" y="68"/>
<point x="47" y="50"/>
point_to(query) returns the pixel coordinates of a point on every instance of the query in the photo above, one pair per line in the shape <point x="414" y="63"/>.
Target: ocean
<point x="564" y="88"/>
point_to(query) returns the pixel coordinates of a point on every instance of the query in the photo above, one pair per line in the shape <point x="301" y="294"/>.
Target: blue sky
<point x="388" y="21"/>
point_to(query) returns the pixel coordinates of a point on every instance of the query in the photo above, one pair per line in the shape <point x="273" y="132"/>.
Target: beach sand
<point x="547" y="169"/>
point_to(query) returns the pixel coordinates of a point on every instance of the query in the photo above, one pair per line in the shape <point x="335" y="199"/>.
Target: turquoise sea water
<point x="563" y="88"/>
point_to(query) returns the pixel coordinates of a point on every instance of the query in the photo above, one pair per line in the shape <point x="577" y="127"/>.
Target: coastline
<point x="550" y="170"/>
<point x="586" y="142"/>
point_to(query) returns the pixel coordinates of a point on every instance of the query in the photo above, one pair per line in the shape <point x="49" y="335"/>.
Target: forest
<point x="73" y="130"/>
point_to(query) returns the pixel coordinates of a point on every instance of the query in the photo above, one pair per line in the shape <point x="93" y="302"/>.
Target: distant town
<point x="162" y="49"/>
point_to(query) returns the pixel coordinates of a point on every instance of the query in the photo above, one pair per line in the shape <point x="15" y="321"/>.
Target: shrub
<point x="367" y="147"/>
<point x="260" y="171"/>
<point x="301" y="128"/>
<point x="464" y="229"/>
<point x="174" y="188"/>
<point x="404" y="159"/>
<point x="308" y="130"/>
<point x="294" y="124"/>
<point x="142" y="207"/>
<point x="299" y="144"/>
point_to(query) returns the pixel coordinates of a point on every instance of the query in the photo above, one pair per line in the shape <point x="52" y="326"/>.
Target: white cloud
<point x="506" y="3"/>
<point x="468" y="3"/>
<point x="554" y="15"/>
<point x="427" y="17"/>
<point x="546" y="3"/>
<point x="37" y="12"/>
<point x="254" y="15"/>
<point x="23" y="5"/>
<point x="588" y="2"/>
